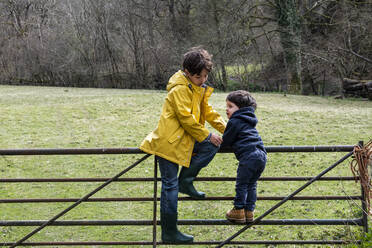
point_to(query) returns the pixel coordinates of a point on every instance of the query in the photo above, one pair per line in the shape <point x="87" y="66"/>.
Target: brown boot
<point x="248" y="215"/>
<point x="236" y="215"/>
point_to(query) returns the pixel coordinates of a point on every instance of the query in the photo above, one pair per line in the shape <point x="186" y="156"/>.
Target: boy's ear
<point x="188" y="74"/>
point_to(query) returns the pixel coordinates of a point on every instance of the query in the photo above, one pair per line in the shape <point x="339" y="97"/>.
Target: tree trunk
<point x="150" y="27"/>
<point x="289" y="25"/>
<point x="220" y="45"/>
<point x="136" y="46"/>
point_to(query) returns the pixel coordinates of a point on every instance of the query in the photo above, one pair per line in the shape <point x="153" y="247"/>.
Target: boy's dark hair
<point x="242" y="98"/>
<point x="197" y="59"/>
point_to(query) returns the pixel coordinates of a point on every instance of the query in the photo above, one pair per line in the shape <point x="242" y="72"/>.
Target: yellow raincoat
<point x="182" y="121"/>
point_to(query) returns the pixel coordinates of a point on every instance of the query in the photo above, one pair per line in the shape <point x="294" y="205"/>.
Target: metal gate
<point x="362" y="221"/>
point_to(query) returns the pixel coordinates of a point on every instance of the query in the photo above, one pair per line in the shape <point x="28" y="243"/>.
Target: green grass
<point x="45" y="117"/>
<point x="235" y="69"/>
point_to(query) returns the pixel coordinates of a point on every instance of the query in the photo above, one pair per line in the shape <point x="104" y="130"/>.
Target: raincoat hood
<point x="178" y="78"/>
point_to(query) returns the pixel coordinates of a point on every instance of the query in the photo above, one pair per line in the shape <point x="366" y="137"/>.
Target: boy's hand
<point x="216" y="140"/>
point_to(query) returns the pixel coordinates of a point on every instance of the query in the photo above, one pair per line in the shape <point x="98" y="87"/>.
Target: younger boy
<point x="182" y="139"/>
<point x="241" y="135"/>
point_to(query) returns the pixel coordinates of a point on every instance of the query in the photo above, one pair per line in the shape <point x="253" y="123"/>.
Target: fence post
<point x="364" y="201"/>
<point x="364" y="210"/>
<point x="155" y="201"/>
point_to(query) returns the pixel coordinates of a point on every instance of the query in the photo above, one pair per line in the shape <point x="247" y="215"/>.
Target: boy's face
<point x="230" y="108"/>
<point x="198" y="79"/>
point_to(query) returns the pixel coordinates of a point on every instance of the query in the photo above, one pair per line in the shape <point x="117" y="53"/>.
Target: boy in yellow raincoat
<point x="182" y="139"/>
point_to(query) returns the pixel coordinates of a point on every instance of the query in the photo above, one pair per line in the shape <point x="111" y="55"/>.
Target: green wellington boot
<point x="169" y="230"/>
<point x="185" y="182"/>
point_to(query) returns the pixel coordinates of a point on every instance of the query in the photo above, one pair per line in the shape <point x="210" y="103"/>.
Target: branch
<point x="263" y="18"/>
<point x="356" y="54"/>
<point x="265" y="33"/>
<point x="316" y="56"/>
<point x="315" y="6"/>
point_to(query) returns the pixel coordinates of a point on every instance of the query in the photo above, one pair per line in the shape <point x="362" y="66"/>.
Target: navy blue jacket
<point x="241" y="134"/>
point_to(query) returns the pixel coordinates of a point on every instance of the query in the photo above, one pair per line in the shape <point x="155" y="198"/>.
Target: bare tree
<point x="277" y="45"/>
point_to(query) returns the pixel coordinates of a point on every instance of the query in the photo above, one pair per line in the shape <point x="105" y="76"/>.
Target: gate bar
<point x="284" y="200"/>
<point x="196" y="222"/>
<point x="79" y="201"/>
<point x="151" y="179"/>
<point x="252" y="242"/>
<point x="131" y="150"/>
<point x="210" y="198"/>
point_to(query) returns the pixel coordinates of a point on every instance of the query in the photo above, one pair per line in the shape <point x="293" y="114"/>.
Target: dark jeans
<point x="246" y="180"/>
<point x="203" y="153"/>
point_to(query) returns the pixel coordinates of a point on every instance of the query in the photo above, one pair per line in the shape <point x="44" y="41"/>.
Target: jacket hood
<point x="247" y="115"/>
<point x="177" y="79"/>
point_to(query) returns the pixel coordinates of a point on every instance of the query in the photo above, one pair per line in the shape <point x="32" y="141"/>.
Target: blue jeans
<point x="203" y="153"/>
<point x="246" y="180"/>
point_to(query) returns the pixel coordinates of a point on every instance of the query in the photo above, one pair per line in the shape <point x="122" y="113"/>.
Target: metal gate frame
<point x="362" y="221"/>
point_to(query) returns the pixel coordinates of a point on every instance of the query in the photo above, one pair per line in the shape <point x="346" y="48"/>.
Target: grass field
<point x="46" y="117"/>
